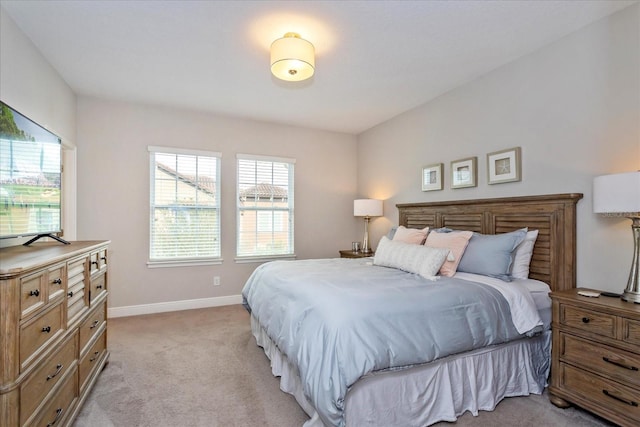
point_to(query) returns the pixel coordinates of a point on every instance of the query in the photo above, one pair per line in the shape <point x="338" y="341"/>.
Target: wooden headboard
<point x="554" y="215"/>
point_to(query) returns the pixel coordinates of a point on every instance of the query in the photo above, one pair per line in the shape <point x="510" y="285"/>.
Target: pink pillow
<point x="410" y="235"/>
<point x="456" y="242"/>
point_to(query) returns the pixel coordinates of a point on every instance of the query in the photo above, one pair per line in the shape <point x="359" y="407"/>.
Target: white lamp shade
<point x="292" y="58"/>
<point x="617" y="194"/>
<point x="367" y="207"/>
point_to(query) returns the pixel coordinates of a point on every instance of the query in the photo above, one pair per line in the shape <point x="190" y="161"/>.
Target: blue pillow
<point x="490" y="254"/>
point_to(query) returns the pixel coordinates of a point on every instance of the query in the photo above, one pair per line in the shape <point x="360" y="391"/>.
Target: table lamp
<point x="618" y="195"/>
<point x="367" y="208"/>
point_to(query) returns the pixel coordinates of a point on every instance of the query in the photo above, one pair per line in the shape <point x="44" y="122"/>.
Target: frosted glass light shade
<point x="617" y="194"/>
<point x="292" y="58"/>
<point x="367" y="207"/>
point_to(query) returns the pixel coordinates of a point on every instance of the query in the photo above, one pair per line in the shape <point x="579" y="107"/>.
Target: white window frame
<point x="290" y="209"/>
<point x="183" y="261"/>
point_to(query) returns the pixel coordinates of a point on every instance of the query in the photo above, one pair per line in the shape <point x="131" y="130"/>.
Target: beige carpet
<point x="203" y="368"/>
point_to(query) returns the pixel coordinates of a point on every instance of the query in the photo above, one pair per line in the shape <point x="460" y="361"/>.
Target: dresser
<point x="53" y="330"/>
<point x="596" y="356"/>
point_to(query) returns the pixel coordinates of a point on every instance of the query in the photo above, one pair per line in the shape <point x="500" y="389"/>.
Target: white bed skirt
<point x="425" y="394"/>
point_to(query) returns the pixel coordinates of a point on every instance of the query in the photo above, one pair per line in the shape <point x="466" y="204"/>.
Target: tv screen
<point x="30" y="177"/>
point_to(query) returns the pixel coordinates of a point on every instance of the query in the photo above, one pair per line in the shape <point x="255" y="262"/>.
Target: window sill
<point x="265" y="258"/>
<point x="184" y="263"/>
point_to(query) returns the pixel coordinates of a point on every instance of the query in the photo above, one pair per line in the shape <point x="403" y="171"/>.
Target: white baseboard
<point x="162" y="307"/>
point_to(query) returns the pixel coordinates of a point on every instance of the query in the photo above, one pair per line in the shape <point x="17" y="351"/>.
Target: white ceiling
<point x="374" y="59"/>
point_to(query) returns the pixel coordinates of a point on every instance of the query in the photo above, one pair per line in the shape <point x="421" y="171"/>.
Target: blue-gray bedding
<point x="338" y="319"/>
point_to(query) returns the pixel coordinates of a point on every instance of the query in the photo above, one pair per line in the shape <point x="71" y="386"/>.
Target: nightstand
<point x="353" y="254"/>
<point x="595" y="360"/>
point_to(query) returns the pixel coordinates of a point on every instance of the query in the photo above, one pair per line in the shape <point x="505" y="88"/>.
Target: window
<point x="265" y="207"/>
<point x="185" y="206"/>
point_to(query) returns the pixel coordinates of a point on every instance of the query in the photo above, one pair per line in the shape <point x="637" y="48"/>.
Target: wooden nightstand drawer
<point x="631" y="330"/>
<point x="608" y="395"/>
<point x="615" y="363"/>
<point x="588" y="320"/>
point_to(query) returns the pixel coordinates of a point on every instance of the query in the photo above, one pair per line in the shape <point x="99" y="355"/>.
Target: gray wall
<point x="573" y="107"/>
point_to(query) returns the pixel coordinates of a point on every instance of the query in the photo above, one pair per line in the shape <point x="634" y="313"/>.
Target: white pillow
<point x="410" y="235"/>
<point x="522" y="256"/>
<point x="413" y="258"/>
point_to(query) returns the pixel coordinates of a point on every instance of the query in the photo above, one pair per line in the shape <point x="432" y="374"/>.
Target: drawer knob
<point x="94" y="324"/>
<point x="34" y="293"/>
<point x="620" y="364"/>
<point x="70" y="294"/>
<point x="46" y="329"/>
<point x="59" y="412"/>
<point x="619" y="399"/>
<point x="57" y="281"/>
<point x="99" y="287"/>
<point x="55" y="374"/>
<point x="104" y="258"/>
<point x="94" y="263"/>
<point x="585" y="320"/>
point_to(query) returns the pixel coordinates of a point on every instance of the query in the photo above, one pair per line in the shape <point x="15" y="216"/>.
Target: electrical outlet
<point x="216" y="281"/>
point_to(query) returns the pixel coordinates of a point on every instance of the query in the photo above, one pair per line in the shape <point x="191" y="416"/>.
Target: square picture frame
<point x="432" y="177"/>
<point x="464" y="173"/>
<point x="504" y="166"/>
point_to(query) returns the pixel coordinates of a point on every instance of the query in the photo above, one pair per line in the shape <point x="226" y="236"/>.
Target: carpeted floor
<point x="202" y="368"/>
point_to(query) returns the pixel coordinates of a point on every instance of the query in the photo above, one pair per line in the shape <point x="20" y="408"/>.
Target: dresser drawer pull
<point x="620" y="399"/>
<point x="94" y="324"/>
<point x="95" y="356"/>
<point x="55" y="374"/>
<point x="59" y="412"/>
<point x="94" y="263"/>
<point x="104" y="258"/>
<point x="622" y="365"/>
<point x="57" y="281"/>
<point x="99" y="287"/>
<point x="46" y="329"/>
<point x="585" y="320"/>
<point x="34" y="293"/>
<point x="70" y="294"/>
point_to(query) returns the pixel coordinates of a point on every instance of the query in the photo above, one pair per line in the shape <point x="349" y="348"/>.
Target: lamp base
<point x="632" y="291"/>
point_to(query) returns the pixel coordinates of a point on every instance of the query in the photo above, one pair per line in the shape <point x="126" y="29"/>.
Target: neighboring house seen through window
<point x="265" y="207"/>
<point x="185" y="206"/>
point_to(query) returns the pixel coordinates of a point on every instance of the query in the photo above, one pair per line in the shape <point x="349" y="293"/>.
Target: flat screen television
<point x="30" y="178"/>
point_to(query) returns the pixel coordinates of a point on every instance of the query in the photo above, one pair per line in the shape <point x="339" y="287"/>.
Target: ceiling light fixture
<point x="292" y="58"/>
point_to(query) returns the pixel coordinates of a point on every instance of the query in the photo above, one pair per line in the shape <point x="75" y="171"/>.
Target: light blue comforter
<point x="339" y="319"/>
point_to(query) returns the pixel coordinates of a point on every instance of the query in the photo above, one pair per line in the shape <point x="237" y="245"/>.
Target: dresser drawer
<point x="631" y="330"/>
<point x="32" y="293"/>
<point x="39" y="383"/>
<point x="91" y="325"/>
<point x="91" y="360"/>
<point x="37" y="332"/>
<point x="98" y="286"/>
<point x="56" y="411"/>
<point x="618" y="364"/>
<point x="56" y="281"/>
<point x="588" y="320"/>
<point x="98" y="261"/>
<point x="604" y="393"/>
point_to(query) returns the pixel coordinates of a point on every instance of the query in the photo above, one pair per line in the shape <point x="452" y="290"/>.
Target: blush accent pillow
<point x="491" y="254"/>
<point x="410" y="235"/>
<point x="410" y="257"/>
<point x="522" y="256"/>
<point x="456" y="242"/>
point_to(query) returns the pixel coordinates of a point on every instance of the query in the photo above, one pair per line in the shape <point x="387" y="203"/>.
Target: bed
<point x="345" y="343"/>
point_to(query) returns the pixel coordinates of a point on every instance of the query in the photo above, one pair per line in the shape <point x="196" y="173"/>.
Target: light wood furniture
<point x="554" y="215"/>
<point x="355" y="254"/>
<point x="596" y="356"/>
<point x="53" y="330"/>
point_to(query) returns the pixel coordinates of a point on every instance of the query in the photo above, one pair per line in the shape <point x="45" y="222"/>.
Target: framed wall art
<point x="432" y="177"/>
<point x="504" y="166"/>
<point x="464" y="173"/>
